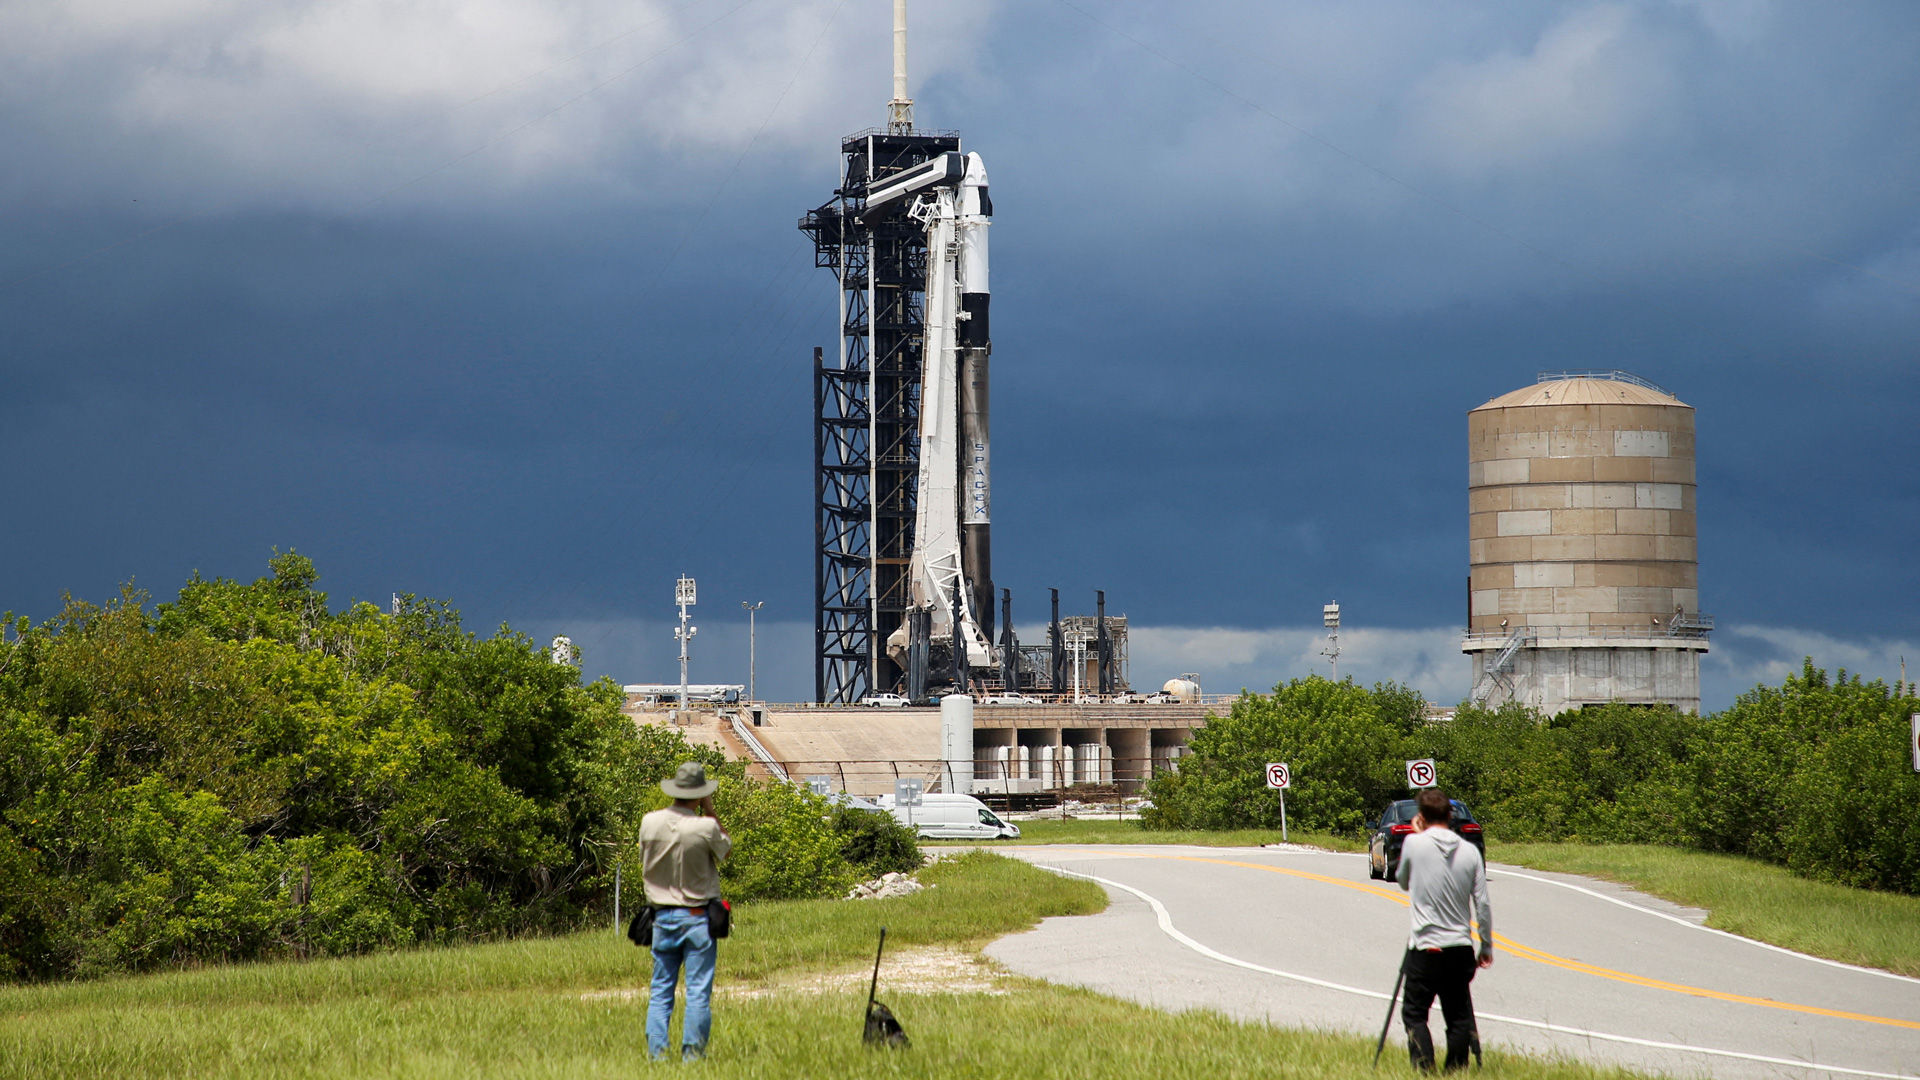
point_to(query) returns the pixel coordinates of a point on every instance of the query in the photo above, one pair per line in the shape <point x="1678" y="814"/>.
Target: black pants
<point x="1445" y="973"/>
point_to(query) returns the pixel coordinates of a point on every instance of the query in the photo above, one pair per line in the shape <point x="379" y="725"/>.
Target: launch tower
<point x="902" y="566"/>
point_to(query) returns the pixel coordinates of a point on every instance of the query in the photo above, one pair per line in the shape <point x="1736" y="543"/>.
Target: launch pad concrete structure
<point x="1016" y="749"/>
<point x="1584" y="584"/>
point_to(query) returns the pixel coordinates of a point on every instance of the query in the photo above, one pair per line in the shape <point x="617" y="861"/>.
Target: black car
<point x="1394" y="826"/>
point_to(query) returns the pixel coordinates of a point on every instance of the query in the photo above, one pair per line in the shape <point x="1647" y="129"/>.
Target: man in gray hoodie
<point x="1446" y="880"/>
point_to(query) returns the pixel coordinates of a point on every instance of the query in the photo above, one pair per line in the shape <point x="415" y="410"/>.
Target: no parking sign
<point x="1420" y="773"/>
<point x="1278" y="776"/>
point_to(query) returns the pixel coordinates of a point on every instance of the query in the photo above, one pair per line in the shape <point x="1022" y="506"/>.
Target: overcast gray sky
<point x="502" y="301"/>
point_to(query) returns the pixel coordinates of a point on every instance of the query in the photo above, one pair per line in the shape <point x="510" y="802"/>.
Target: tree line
<point x="244" y="773"/>
<point x="1814" y="774"/>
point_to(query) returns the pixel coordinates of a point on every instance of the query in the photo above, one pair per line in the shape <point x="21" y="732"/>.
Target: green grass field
<point x="1077" y="831"/>
<point x="1750" y="898"/>
<point x="517" y="1009"/>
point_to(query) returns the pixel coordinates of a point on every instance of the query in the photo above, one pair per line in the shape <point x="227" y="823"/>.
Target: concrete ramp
<point x="862" y="750"/>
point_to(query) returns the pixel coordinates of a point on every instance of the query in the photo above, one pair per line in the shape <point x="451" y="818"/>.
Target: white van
<point x="951" y="817"/>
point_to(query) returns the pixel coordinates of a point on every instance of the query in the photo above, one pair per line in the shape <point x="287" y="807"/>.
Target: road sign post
<point x="906" y="792"/>
<point x="1280" y="778"/>
<point x="1421" y="773"/>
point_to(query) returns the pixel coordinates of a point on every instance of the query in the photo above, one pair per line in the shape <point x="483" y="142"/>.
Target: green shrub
<point x="1609" y="774"/>
<point x="1344" y="744"/>
<point x="1813" y="773"/>
<point x="1514" y="773"/>
<point x="245" y="773"/>
<point x="172" y="879"/>
<point x="784" y="847"/>
<point x="875" y="843"/>
<point x="1854" y="799"/>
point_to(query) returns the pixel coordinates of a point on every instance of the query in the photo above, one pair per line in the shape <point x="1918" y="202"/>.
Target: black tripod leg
<point x="1392" y="999"/>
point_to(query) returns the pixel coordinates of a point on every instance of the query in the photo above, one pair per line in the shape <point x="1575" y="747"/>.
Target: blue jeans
<point x="680" y="939"/>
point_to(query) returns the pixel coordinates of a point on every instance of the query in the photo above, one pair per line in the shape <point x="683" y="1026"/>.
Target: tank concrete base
<point x="1574" y="672"/>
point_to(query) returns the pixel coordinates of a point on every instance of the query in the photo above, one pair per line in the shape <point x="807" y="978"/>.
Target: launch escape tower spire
<point x="900" y="412"/>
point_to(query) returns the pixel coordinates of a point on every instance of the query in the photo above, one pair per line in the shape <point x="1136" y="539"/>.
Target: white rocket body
<point x="974" y="342"/>
<point x="950" y="551"/>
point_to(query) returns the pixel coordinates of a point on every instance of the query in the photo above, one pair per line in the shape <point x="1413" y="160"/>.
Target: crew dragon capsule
<point x="951" y="569"/>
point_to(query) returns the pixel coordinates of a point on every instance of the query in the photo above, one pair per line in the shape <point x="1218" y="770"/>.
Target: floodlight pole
<point x="683" y="595"/>
<point x="1330" y="616"/>
<point x="751" y="608"/>
<point x="1078" y="641"/>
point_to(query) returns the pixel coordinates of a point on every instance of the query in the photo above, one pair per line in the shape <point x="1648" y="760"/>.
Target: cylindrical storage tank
<point x="956" y="742"/>
<point x="1581" y="525"/>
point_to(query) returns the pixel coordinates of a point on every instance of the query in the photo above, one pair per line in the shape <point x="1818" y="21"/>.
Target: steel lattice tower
<point x="866" y="406"/>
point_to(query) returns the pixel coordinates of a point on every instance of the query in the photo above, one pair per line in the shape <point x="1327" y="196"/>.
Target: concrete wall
<point x="1553" y="680"/>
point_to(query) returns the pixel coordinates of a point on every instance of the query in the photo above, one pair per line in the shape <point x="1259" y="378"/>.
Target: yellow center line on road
<point x="1540" y="956"/>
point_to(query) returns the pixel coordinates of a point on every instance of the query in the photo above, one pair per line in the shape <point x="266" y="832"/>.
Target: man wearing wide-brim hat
<point x="680" y="851"/>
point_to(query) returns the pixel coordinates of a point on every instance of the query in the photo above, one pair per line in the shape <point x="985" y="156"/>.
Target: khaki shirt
<point x="680" y="853"/>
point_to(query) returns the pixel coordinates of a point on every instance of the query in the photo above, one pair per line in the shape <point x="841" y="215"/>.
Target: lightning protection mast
<point x="880" y="549"/>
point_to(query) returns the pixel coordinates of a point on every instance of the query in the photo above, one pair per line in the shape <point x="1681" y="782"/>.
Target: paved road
<point x="1583" y="968"/>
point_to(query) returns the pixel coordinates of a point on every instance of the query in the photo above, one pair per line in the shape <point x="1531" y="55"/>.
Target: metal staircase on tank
<point x="1496" y="674"/>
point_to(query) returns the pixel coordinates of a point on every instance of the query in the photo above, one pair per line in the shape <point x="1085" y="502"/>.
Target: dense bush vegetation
<point x="245" y="773"/>
<point x="1814" y="774"/>
<point x="876" y="843"/>
<point x="1343" y="742"/>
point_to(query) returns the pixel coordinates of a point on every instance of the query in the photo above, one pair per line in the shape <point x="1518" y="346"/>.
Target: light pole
<point x="751" y="608"/>
<point x="683" y="595"/>
<point x="1330" y="615"/>
<point x="1077" y="640"/>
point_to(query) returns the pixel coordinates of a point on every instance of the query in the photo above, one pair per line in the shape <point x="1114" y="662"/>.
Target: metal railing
<point x="745" y="734"/>
<point x="1689" y="626"/>
<point x="918" y="133"/>
<point x="1614" y="375"/>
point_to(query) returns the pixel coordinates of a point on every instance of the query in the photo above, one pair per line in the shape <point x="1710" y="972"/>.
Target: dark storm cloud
<point x="541" y="349"/>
